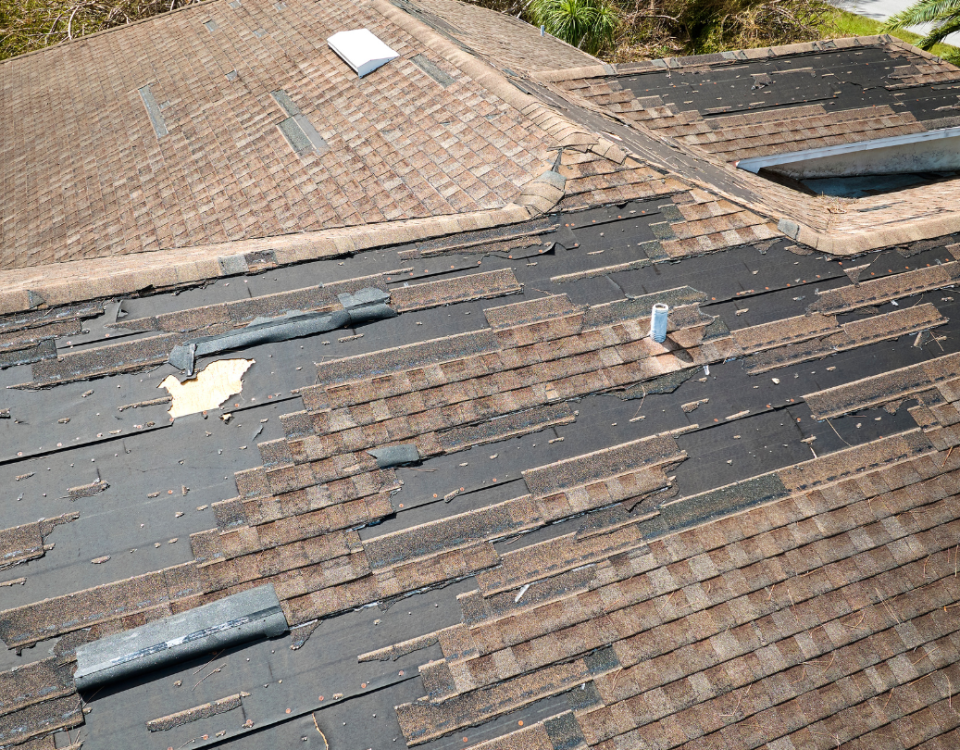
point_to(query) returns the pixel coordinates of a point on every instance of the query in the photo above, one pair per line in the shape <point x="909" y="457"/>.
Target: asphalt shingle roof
<point x="496" y="514"/>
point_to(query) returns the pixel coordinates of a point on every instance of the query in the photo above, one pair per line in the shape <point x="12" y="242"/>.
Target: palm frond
<point x="924" y="11"/>
<point x="940" y="32"/>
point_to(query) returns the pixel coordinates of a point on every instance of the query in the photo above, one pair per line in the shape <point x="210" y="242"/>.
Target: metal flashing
<point x="900" y="142"/>
<point x="255" y="613"/>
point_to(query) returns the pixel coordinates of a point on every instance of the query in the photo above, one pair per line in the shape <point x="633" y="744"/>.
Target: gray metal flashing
<point x="255" y="613"/>
<point x="298" y="130"/>
<point x="755" y="164"/>
<point x="153" y="110"/>
<point x="316" y="140"/>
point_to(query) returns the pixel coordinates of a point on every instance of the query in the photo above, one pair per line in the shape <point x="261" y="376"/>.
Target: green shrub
<point x="28" y="25"/>
<point x="587" y="24"/>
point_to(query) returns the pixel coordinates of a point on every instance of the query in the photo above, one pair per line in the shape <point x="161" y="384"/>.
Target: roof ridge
<point x="80" y="280"/>
<point x="641" y="66"/>
<point x="567" y="132"/>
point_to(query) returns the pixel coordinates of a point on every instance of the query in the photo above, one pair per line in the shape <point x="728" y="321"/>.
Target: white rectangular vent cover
<point x="361" y="50"/>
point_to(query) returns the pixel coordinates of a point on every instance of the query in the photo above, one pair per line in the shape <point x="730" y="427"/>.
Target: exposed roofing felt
<point x="498" y="515"/>
<point x="714" y="110"/>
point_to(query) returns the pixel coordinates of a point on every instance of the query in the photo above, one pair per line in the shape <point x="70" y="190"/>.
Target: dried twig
<point x="215" y="655"/>
<point x="218" y="669"/>
<point x="838" y="434"/>
<point x="325" y="743"/>
<point x="739" y="703"/>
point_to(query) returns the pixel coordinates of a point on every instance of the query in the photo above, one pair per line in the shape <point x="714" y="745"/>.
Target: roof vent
<point x="361" y="50"/>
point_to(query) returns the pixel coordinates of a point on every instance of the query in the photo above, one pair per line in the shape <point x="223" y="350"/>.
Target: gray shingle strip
<point x="165" y="723"/>
<point x="297" y="129"/>
<point x="431" y="69"/>
<point x="33" y="683"/>
<point x="295" y="136"/>
<point x="153" y="111"/>
<point x="894" y="384"/>
<point x="365" y="306"/>
<point x="235" y="619"/>
<point x="606" y="463"/>
<point x="22" y="543"/>
<point x="395" y="455"/>
<point x="286" y="103"/>
<point x="41" y="719"/>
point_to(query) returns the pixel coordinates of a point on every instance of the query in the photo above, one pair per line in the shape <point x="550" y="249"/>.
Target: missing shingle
<point x="153" y="111"/>
<point x="428" y="67"/>
<point x="280" y="6"/>
<point x="232" y="75"/>
<point x="260" y="33"/>
<point x="211" y="25"/>
<point x="286" y="103"/>
<point x="301" y="135"/>
<point x="234" y="4"/>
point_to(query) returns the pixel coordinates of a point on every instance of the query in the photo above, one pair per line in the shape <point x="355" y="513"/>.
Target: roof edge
<point x="111" y="30"/>
<point x="77" y="281"/>
<point x="847" y="243"/>
<point x="757" y="53"/>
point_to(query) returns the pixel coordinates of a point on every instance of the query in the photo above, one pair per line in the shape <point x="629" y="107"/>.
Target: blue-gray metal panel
<point x="235" y="619"/>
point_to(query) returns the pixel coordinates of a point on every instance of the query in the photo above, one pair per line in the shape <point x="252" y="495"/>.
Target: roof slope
<point x="699" y="116"/>
<point x="495" y="513"/>
<point x="85" y="174"/>
<point x="499" y="39"/>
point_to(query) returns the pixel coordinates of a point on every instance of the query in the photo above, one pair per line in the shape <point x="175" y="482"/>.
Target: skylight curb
<point x="756" y="163"/>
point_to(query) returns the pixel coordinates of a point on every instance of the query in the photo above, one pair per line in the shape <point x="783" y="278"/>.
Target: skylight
<point x="362" y="50"/>
<point x="856" y="170"/>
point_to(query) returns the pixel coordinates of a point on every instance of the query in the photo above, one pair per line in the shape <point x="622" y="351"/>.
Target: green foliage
<point x="587" y="24"/>
<point x="943" y="15"/>
<point x="28" y="25"/>
<point x="844" y="23"/>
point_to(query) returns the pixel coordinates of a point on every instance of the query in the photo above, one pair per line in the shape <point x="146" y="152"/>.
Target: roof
<point x="699" y="116"/>
<point x="494" y="512"/>
<point x="85" y="174"/>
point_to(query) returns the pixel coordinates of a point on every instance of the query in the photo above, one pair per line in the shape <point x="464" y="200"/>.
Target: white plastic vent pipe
<point x="658" y="322"/>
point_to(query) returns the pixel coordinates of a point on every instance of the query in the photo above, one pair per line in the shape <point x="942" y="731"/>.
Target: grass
<point x="843" y="23"/>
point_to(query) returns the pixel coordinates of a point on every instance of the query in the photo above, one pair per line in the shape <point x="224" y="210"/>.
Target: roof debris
<point x="209" y="389"/>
